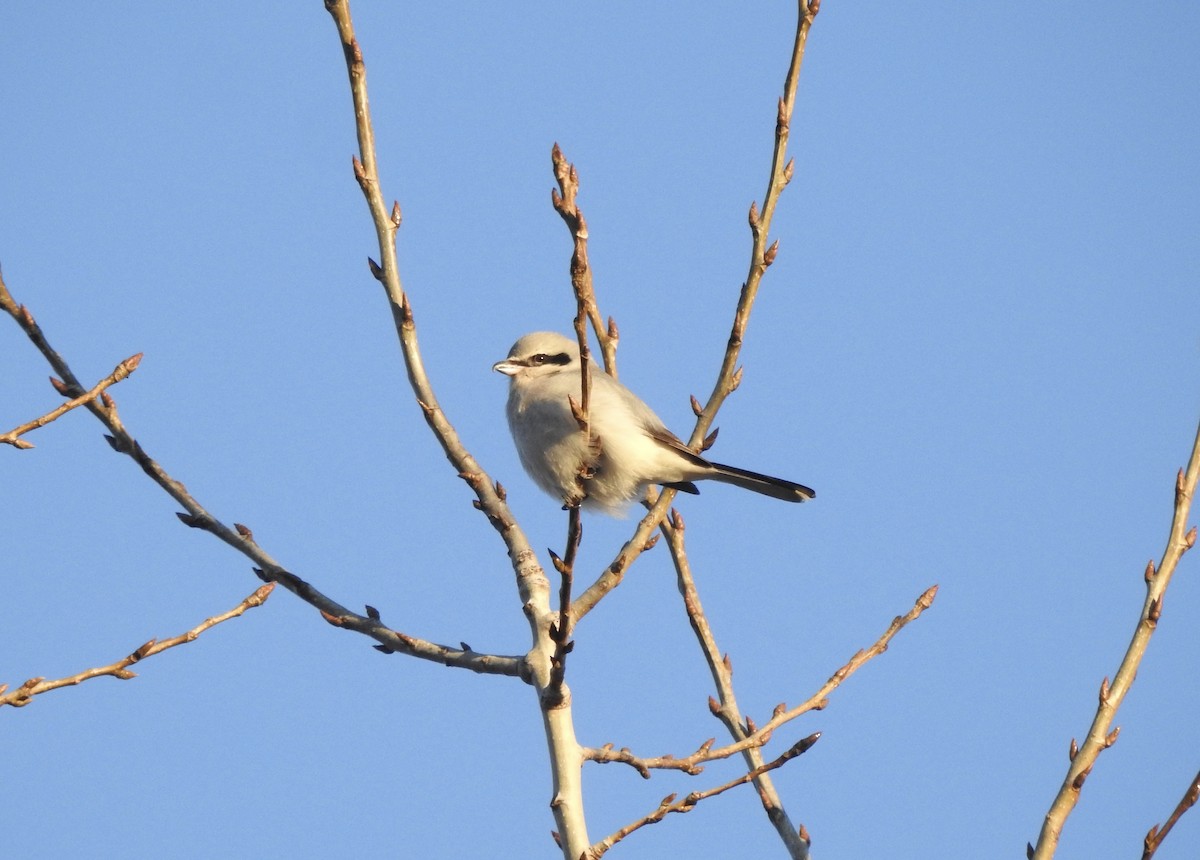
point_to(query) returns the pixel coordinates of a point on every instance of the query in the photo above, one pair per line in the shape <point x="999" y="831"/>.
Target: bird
<point x="627" y="447"/>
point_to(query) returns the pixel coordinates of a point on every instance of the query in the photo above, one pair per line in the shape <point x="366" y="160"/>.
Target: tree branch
<point x="721" y="669"/>
<point x="1156" y="835"/>
<point x="761" y="256"/>
<point x="24" y="694"/>
<point x="669" y="804"/>
<point x="126" y="367"/>
<point x="239" y="537"/>
<point x="747" y="733"/>
<point x="1101" y="735"/>
<point x="532" y="584"/>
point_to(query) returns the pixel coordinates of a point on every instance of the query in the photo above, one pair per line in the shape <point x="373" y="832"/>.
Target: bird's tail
<point x="776" y="488"/>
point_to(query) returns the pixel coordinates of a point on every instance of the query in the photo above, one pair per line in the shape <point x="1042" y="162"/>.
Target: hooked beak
<point x="506" y="367"/>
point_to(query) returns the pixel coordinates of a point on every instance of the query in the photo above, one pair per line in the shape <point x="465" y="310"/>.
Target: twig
<point x="238" y="537"/>
<point x="749" y="735"/>
<point x="531" y="579"/>
<point x="729" y="375"/>
<point x="1101" y="735"/>
<point x="642" y="540"/>
<point x="532" y="584"/>
<point x="727" y="711"/>
<point x="728" y="378"/>
<point x="24" y="694"/>
<point x="761" y="256"/>
<point x="560" y="632"/>
<point x="126" y="367"/>
<point x="564" y="200"/>
<point x="669" y="804"/>
<point x="1156" y="835"/>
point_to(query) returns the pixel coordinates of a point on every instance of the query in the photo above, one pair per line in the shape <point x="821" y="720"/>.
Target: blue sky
<point x="979" y="344"/>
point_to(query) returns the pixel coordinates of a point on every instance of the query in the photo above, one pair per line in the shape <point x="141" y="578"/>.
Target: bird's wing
<point x="667" y="439"/>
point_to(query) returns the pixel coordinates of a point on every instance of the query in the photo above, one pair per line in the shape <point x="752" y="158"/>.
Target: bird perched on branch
<point x="626" y="448"/>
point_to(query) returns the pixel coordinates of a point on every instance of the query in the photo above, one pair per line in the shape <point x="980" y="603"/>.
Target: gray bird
<point x="634" y="450"/>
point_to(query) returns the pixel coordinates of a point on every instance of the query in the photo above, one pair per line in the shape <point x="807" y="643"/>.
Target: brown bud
<point x="332" y="619"/>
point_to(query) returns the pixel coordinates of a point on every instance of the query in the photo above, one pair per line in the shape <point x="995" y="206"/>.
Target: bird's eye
<point x="540" y="358"/>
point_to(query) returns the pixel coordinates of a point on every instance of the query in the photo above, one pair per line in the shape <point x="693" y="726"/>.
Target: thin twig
<point x="533" y="586"/>
<point x="761" y="256"/>
<point x="729" y="375"/>
<point x="531" y="578"/>
<point x="1101" y="735"/>
<point x="750" y="735"/>
<point x="24" y="694"/>
<point x="565" y="202"/>
<point x="727" y="710"/>
<point x="238" y="537"/>
<point x="669" y="804"/>
<point x="1156" y="835"/>
<point x="561" y="631"/>
<point x="126" y="367"/>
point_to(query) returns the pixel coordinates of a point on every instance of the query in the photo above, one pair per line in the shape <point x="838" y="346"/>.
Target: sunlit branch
<point x="23" y="695"/>
<point x="1101" y="734"/>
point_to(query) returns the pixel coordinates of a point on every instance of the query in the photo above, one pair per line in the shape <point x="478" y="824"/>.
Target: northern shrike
<point x="634" y="448"/>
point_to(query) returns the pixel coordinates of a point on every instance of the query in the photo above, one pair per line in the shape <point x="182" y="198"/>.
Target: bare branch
<point x="24" y="694"/>
<point x="747" y="733"/>
<point x="531" y="579"/>
<point x="126" y="367"/>
<point x="565" y="204"/>
<point x="727" y="710"/>
<point x="1156" y="835"/>
<point x="560" y="632"/>
<point x="669" y="804"/>
<point x="729" y="375"/>
<point x="641" y="541"/>
<point x="532" y="584"/>
<point x="761" y="256"/>
<point x="239" y="537"/>
<point x="1101" y="735"/>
